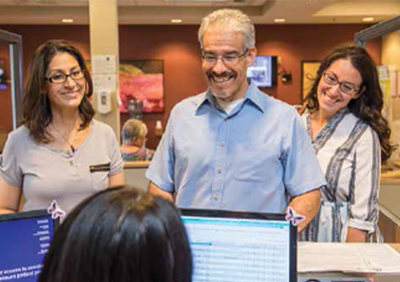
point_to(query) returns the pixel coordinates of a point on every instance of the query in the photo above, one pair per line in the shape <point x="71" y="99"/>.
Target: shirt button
<point x="219" y="170"/>
<point x="71" y="163"/>
<point x="69" y="153"/>
<point x="215" y="197"/>
<point x="222" y="144"/>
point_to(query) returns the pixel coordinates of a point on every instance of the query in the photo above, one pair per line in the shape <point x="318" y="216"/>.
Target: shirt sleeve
<point x="161" y="169"/>
<point x="364" y="186"/>
<point x="117" y="163"/>
<point x="302" y="170"/>
<point x="10" y="170"/>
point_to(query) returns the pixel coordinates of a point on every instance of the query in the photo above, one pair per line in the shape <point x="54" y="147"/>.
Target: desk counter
<point x="376" y="277"/>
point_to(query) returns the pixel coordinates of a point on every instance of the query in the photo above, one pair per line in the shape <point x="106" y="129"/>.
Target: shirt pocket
<point x="257" y="164"/>
<point x="99" y="174"/>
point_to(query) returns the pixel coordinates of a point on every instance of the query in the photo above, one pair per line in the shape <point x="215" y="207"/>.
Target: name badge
<point x="100" y="167"/>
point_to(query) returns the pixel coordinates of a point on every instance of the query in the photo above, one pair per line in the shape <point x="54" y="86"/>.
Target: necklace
<point x="71" y="146"/>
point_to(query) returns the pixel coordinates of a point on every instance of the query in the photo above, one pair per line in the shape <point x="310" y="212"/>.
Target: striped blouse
<point x="348" y="151"/>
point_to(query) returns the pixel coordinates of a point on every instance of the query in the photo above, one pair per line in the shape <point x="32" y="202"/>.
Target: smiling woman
<point x="55" y="154"/>
<point x="351" y="138"/>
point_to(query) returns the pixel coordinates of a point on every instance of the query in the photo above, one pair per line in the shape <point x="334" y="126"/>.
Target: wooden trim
<point x="136" y="164"/>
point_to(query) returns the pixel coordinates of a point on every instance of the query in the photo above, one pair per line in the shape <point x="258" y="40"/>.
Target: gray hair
<point x="235" y="20"/>
<point x="133" y="129"/>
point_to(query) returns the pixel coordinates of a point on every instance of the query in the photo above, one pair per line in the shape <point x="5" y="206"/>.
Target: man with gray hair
<point x="233" y="147"/>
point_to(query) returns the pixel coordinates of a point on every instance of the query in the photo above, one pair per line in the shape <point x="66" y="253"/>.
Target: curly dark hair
<point x="36" y="111"/>
<point x="368" y="106"/>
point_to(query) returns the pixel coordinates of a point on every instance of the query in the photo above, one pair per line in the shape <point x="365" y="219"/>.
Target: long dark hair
<point x="120" y="234"/>
<point x="367" y="107"/>
<point x="36" y="111"/>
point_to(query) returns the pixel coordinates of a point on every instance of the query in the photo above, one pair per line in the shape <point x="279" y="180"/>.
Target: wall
<point x="178" y="47"/>
<point x="391" y="57"/>
<point x="5" y="96"/>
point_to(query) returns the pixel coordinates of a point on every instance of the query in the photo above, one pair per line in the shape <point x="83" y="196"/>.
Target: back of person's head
<point x="35" y="104"/>
<point x="118" y="235"/>
<point x="133" y="129"/>
<point x="229" y="20"/>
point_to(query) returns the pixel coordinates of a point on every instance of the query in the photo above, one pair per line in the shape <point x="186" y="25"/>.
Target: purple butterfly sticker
<point x="294" y="217"/>
<point x="55" y="210"/>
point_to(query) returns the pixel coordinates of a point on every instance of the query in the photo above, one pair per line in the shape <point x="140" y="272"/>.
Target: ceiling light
<point x="369" y="19"/>
<point x="176" y="21"/>
<point x="67" y="20"/>
<point x="279" y="20"/>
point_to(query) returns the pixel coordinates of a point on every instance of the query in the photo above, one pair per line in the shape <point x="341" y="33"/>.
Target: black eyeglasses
<point x="59" y="78"/>
<point x="229" y="59"/>
<point x="346" y="87"/>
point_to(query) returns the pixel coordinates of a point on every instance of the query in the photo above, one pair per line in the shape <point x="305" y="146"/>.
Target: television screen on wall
<point x="264" y="71"/>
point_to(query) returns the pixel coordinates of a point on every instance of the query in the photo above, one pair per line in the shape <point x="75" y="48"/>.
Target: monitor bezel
<point x="28" y="215"/>
<point x="254" y="215"/>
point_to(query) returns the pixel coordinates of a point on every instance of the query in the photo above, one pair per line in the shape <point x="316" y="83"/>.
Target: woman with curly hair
<point x="343" y="115"/>
<point x="60" y="152"/>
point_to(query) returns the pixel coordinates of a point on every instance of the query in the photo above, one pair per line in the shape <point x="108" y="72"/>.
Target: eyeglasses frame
<point x="356" y="89"/>
<point x="50" y="79"/>
<point x="221" y="57"/>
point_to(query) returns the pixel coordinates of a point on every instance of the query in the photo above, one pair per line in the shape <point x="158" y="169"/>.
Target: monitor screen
<point x="263" y="71"/>
<point x="24" y="241"/>
<point x="241" y="247"/>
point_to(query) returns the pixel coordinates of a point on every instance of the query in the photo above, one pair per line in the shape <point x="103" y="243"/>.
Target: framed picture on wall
<point x="308" y="74"/>
<point x="142" y="80"/>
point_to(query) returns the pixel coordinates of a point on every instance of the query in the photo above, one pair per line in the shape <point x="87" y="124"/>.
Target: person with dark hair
<point x="60" y="152"/>
<point x="342" y="113"/>
<point x="133" y="148"/>
<point x="121" y="234"/>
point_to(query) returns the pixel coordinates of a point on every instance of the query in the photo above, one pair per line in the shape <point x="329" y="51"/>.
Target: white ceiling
<point x="191" y="12"/>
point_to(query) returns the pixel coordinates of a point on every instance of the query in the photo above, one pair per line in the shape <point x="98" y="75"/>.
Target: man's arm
<point x="156" y="191"/>
<point x="306" y="205"/>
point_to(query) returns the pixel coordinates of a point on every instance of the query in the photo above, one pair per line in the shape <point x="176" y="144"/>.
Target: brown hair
<point x="368" y="106"/>
<point x="36" y="109"/>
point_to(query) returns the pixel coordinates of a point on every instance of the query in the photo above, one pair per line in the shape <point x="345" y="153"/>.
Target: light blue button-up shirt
<point x="249" y="160"/>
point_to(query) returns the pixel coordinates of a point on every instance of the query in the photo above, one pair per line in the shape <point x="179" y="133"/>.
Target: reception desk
<point x="135" y="174"/>
<point x="389" y="207"/>
<point x="357" y="277"/>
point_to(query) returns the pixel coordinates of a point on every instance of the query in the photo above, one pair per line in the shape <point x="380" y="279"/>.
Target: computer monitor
<point x="263" y="71"/>
<point x="24" y="240"/>
<point x="240" y="246"/>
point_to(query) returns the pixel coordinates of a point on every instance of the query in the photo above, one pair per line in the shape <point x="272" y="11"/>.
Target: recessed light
<point x="369" y="19"/>
<point x="176" y="21"/>
<point x="279" y="20"/>
<point x="67" y="20"/>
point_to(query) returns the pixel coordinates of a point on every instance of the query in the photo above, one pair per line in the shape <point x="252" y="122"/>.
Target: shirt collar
<point x="251" y="95"/>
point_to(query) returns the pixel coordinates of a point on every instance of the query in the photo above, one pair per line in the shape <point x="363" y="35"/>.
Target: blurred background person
<point x="343" y="115"/>
<point x="121" y="234"/>
<point x="133" y="148"/>
<point x="60" y="152"/>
